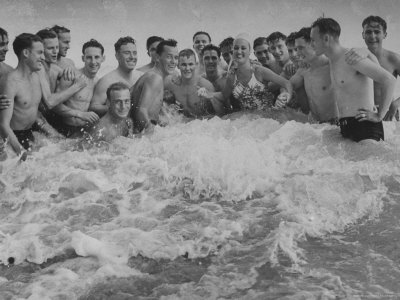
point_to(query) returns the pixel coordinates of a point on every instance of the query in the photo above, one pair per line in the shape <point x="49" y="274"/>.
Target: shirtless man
<point x="147" y="93"/>
<point x="4" y="68"/>
<point x="151" y="45"/>
<point x="261" y="52"/>
<point x="193" y="92"/>
<point x="115" y="122"/>
<point x="226" y="48"/>
<point x="23" y="87"/>
<point x="74" y="111"/>
<point x="64" y="39"/>
<point x="315" y="79"/>
<point x="126" y="55"/>
<point x="212" y="57"/>
<point x="374" y="32"/>
<point x="277" y="47"/>
<point x="353" y="84"/>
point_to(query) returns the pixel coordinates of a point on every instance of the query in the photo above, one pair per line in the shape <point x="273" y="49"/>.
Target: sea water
<point x="246" y="207"/>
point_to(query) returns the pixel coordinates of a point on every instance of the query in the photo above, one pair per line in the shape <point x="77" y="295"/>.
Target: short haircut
<point x="116" y="86"/>
<point x="24" y="41"/>
<point x="260" y="41"/>
<point x="92" y="43"/>
<point x="276" y="36"/>
<point x="290" y="38"/>
<point x="187" y="53"/>
<point x="228" y="42"/>
<point x="123" y="41"/>
<point x="304" y="33"/>
<point x="327" y="26"/>
<point x="3" y="33"/>
<point x="211" y="47"/>
<point x="375" y="19"/>
<point x="60" y="29"/>
<point x="202" y="32"/>
<point x="169" y="42"/>
<point x="47" y="34"/>
<point x="152" y="40"/>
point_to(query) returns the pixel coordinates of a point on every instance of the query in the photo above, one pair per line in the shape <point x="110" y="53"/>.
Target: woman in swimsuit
<point x="247" y="82"/>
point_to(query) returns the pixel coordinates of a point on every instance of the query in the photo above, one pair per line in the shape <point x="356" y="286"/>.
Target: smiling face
<point x="168" y="60"/>
<point x="373" y="35"/>
<point x="3" y="47"/>
<point x="317" y="42"/>
<point x="187" y="66"/>
<point x="262" y="54"/>
<point x="226" y="53"/>
<point x="211" y="60"/>
<point x="50" y="50"/>
<point x="92" y="60"/>
<point x="64" y="39"/>
<point x="120" y="103"/>
<point x="241" y="50"/>
<point x="35" y="56"/>
<point x="304" y="50"/>
<point x="279" y="50"/>
<point x="199" y="42"/>
<point x="293" y="52"/>
<point x="127" y="56"/>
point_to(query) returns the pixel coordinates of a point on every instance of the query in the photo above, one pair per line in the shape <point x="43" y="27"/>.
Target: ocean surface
<point x="245" y="207"/>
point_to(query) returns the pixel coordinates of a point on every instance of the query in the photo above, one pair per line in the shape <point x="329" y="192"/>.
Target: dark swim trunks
<point x="358" y="131"/>
<point x="25" y="137"/>
<point x="71" y="131"/>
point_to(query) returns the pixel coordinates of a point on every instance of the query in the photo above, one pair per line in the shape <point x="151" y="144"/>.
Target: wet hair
<point x="117" y="86"/>
<point x="202" y="32"/>
<point x="24" y="41"/>
<point x="169" y="42"/>
<point x="47" y="34"/>
<point x="228" y="42"/>
<point x="376" y="19"/>
<point x="327" y="26"/>
<point x="152" y="40"/>
<point x="210" y="47"/>
<point x="290" y="38"/>
<point x="60" y="29"/>
<point x="260" y="41"/>
<point x="3" y="33"/>
<point x="276" y="36"/>
<point x="123" y="41"/>
<point x="187" y="53"/>
<point x="92" y="43"/>
<point x="304" y="33"/>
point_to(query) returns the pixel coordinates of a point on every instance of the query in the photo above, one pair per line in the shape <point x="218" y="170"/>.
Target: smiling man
<point x="74" y="112"/>
<point x="4" y="68"/>
<point x="64" y="40"/>
<point x="147" y="94"/>
<point x="126" y="55"/>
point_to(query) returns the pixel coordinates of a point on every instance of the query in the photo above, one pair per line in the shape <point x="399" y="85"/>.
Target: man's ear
<point x="25" y="52"/>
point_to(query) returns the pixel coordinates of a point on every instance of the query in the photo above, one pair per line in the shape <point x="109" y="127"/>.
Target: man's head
<point x="374" y="31"/>
<point x="277" y="46"/>
<point x="119" y="99"/>
<point x="151" y="46"/>
<point x="50" y="44"/>
<point x="64" y="39"/>
<point x="261" y="52"/>
<point x="92" y="56"/>
<point x="3" y="44"/>
<point x="200" y="39"/>
<point x="226" y="48"/>
<point x="187" y="63"/>
<point x="167" y="56"/>
<point x="324" y="32"/>
<point x="126" y="53"/>
<point x="292" y="50"/>
<point x="29" y="50"/>
<point x="211" y="57"/>
<point x="303" y="44"/>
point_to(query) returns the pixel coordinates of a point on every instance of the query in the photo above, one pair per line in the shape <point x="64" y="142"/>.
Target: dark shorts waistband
<point x="357" y="131"/>
<point x="25" y="137"/>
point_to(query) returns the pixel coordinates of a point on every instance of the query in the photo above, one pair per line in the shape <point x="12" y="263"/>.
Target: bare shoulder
<point x="205" y="83"/>
<point x="393" y="57"/>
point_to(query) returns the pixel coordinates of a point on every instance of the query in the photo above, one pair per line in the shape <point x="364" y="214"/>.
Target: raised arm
<point x="9" y="88"/>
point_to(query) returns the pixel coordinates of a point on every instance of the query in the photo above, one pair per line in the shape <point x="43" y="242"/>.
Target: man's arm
<point x="53" y="99"/>
<point x="394" y="59"/>
<point x="99" y="100"/>
<point x="388" y="83"/>
<point x="9" y="88"/>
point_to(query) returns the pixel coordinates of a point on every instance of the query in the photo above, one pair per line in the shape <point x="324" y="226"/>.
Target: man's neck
<point x="190" y="81"/>
<point x="87" y="74"/>
<point x="126" y="73"/>
<point x="212" y="75"/>
<point x="24" y="70"/>
<point x="335" y="51"/>
<point x="377" y="51"/>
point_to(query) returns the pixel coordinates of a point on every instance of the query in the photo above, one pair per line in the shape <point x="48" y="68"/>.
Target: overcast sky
<point x="107" y="20"/>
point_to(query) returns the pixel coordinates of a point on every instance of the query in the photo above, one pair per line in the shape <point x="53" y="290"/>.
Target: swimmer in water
<point x="353" y="84"/>
<point x="193" y="92"/>
<point x="115" y="122"/>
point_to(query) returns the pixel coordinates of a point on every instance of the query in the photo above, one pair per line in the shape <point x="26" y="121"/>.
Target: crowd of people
<point x="308" y="70"/>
